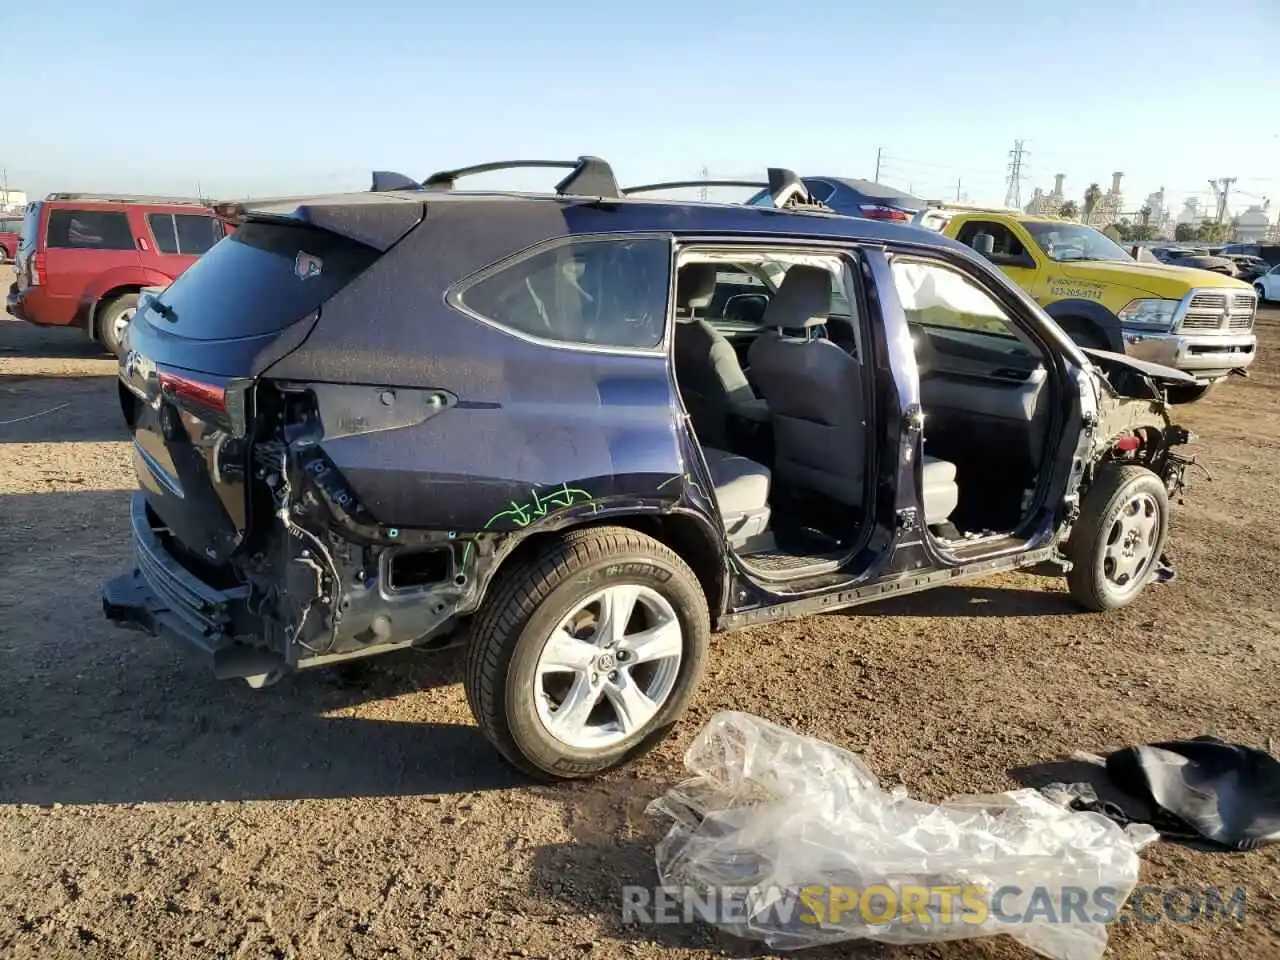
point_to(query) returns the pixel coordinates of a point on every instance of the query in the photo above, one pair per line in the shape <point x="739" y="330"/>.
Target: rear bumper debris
<point x="161" y="597"/>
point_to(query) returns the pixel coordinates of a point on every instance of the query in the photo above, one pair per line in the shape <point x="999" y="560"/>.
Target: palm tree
<point x="1069" y="210"/>
<point x="1091" y="198"/>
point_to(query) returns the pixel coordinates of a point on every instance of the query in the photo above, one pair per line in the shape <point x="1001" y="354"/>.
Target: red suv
<point x="10" y="233"/>
<point x="83" y="258"/>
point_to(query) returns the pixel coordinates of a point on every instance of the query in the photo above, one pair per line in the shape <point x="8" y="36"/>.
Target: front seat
<point x="712" y="383"/>
<point x="813" y="390"/>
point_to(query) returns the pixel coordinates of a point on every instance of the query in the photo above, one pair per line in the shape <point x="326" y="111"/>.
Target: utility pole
<point x="1013" y="196"/>
<point x="957" y="189"/>
<point x="705" y="174"/>
<point x="879" y="150"/>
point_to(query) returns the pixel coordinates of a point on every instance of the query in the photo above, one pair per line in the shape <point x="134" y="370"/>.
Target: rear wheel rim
<point x="608" y="667"/>
<point x="121" y="322"/>
<point x="1129" y="551"/>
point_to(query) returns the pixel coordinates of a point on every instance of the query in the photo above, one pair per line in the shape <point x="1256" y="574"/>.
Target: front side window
<point x="1006" y="247"/>
<point x="1074" y="241"/>
<point x="89" y="230"/>
<point x="600" y="292"/>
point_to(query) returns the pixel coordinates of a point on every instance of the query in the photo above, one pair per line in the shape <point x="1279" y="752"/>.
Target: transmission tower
<point x="1221" y="189"/>
<point x="703" y="193"/>
<point x="1013" y="196"/>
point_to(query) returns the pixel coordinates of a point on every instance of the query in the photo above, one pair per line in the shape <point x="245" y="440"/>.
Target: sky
<point x="238" y="99"/>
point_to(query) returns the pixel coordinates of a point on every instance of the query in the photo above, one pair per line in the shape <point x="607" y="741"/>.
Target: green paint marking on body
<point x="542" y="505"/>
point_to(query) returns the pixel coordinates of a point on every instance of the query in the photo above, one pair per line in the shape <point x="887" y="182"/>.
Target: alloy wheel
<point x="609" y="666"/>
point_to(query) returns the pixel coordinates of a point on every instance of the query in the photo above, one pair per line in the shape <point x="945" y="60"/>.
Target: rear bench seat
<point x="742" y="494"/>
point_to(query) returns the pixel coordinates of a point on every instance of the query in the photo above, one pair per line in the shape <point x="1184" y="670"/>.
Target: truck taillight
<point x="37" y="262"/>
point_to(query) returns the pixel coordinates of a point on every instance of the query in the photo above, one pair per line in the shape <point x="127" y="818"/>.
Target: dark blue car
<point x="579" y="431"/>
<point x="856" y="198"/>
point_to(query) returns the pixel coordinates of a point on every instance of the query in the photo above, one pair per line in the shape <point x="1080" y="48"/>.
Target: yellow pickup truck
<point x="1194" y="320"/>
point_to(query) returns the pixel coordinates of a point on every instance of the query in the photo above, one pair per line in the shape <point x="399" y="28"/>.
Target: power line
<point x="1013" y="196"/>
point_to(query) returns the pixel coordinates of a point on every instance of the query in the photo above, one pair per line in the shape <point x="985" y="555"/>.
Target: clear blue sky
<point x="270" y="97"/>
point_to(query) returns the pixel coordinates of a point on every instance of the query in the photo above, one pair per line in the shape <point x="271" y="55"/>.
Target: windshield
<point x="1074" y="241"/>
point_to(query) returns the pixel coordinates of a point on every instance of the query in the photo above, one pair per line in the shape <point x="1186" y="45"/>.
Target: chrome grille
<point x="1211" y="311"/>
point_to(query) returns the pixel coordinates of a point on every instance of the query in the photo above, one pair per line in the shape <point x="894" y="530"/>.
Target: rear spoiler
<point x="348" y="215"/>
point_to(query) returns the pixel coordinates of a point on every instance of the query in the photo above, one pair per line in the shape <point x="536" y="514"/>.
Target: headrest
<point x="695" y="285"/>
<point x="802" y="302"/>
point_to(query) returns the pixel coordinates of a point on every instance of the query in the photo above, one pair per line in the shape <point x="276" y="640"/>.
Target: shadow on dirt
<point x="613" y="837"/>
<point x="41" y="408"/>
<point x="161" y="734"/>
<point x="96" y="714"/>
<point x="978" y="601"/>
<point x="20" y="339"/>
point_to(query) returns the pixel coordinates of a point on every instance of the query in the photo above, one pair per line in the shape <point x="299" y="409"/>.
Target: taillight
<point x="207" y="395"/>
<point x="874" y="211"/>
<point x="37" y="262"/>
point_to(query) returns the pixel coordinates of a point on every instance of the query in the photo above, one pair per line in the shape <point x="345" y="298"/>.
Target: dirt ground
<point x="147" y="810"/>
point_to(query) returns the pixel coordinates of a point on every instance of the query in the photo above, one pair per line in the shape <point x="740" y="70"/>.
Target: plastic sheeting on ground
<point x="812" y="850"/>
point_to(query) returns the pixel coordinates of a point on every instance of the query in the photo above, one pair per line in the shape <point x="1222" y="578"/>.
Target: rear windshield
<point x="259" y="280"/>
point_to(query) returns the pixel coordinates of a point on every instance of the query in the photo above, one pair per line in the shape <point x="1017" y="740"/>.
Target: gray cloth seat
<point x="941" y="494"/>
<point x="814" y="391"/>
<point x="712" y="383"/>
<point x="741" y="493"/>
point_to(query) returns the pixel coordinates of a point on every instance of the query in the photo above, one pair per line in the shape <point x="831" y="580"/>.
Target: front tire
<point x="1187" y="394"/>
<point x="1119" y="537"/>
<point x="584" y="655"/>
<point x="113" y="317"/>
<point x="1261" y="292"/>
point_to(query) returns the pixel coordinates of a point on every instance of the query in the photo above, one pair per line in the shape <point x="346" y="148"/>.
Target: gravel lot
<point x="149" y="811"/>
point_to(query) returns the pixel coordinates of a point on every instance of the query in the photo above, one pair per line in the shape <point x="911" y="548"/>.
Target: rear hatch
<point x="193" y="356"/>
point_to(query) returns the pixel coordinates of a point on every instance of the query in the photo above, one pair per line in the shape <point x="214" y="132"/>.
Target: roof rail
<point x="678" y="184"/>
<point x="588" y="177"/>
<point x="787" y="190"/>
<point x="127" y="198"/>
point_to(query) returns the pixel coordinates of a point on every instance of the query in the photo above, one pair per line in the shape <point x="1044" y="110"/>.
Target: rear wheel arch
<point x="692" y="538"/>
<point x="103" y="300"/>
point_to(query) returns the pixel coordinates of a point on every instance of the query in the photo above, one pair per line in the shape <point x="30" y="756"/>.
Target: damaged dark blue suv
<point x="580" y="431"/>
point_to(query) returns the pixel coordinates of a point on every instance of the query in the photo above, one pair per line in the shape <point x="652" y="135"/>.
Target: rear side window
<point x="196" y="234"/>
<point x="163" y="230"/>
<point x="89" y="230"/>
<point x="264" y="278"/>
<point x="601" y="292"/>
<point x="184" y="233"/>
